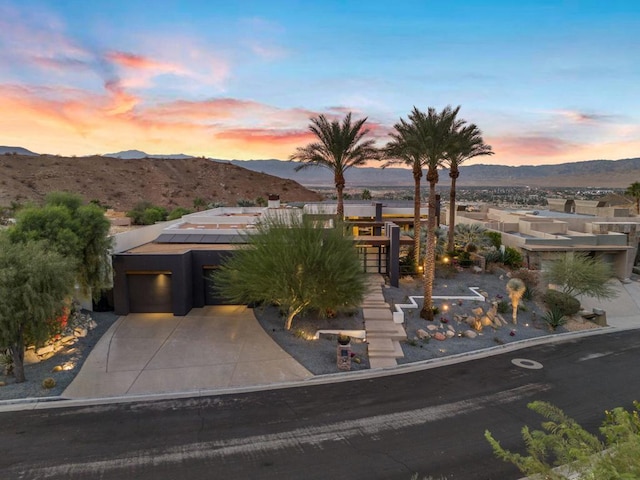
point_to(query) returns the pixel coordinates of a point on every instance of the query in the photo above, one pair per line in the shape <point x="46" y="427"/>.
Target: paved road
<point x="431" y="422"/>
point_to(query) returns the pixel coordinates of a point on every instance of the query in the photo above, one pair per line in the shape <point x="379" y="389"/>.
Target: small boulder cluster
<point x="78" y="328"/>
<point x="468" y="326"/>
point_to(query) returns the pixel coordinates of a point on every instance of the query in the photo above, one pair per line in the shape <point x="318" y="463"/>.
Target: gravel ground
<point x="317" y="356"/>
<point x="76" y="353"/>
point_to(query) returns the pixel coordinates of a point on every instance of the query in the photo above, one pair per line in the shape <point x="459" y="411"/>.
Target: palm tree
<point x="340" y="147"/>
<point x="467" y="143"/>
<point x="634" y="191"/>
<point x="433" y="139"/>
<point x="401" y="149"/>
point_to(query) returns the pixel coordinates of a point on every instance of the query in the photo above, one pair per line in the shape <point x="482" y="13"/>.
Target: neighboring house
<point x="596" y="227"/>
<point x="165" y="267"/>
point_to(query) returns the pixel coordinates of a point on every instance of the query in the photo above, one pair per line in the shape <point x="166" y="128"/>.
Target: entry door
<point x="150" y="293"/>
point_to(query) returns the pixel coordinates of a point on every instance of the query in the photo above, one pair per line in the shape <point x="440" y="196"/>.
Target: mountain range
<point x="590" y="173"/>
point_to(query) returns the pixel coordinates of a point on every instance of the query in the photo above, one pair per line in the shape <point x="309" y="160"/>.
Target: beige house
<point x="597" y="228"/>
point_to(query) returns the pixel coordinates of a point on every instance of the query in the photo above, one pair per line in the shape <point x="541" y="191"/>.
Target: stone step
<point x="377" y="314"/>
<point x="376" y="305"/>
<point x="383" y="362"/>
<point x="384" y="347"/>
<point x="381" y="326"/>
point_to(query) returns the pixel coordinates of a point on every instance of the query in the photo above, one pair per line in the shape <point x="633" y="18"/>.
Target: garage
<point x="149" y="292"/>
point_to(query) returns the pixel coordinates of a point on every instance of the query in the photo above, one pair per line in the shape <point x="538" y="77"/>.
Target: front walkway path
<point x="214" y="347"/>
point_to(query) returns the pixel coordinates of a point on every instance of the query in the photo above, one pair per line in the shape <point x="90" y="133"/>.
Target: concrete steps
<point x="383" y="334"/>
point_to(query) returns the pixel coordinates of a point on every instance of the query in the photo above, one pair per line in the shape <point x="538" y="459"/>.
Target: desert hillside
<point x="122" y="183"/>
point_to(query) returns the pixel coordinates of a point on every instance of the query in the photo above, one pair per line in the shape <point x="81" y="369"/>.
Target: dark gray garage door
<point x="149" y="293"/>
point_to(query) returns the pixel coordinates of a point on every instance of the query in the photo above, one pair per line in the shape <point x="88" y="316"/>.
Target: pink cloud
<point x="536" y="146"/>
<point x="262" y="136"/>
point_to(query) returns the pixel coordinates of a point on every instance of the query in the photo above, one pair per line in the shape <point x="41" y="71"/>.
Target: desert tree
<point x="296" y="264"/>
<point x="403" y="149"/>
<point x="340" y="146"/>
<point x="34" y="285"/>
<point x="633" y="191"/>
<point x="579" y="274"/>
<point x="467" y="143"/>
<point x="564" y="450"/>
<point x="78" y="232"/>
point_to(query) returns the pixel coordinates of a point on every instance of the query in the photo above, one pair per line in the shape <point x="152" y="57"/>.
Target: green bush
<point x="494" y="237"/>
<point x="564" y="303"/>
<point x="145" y="213"/>
<point x="512" y="257"/>
<point x="503" y="307"/>
<point x="554" y="318"/>
<point x="178" y="212"/>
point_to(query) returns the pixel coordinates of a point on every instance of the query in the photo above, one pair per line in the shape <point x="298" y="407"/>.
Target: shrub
<point x="178" y="212"/>
<point x="503" y="306"/>
<point x="512" y="257"/>
<point x="495" y="238"/>
<point x="554" y="318"/>
<point x="562" y="302"/>
<point x="492" y="256"/>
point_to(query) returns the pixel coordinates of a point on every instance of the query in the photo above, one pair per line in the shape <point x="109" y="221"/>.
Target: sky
<point x="547" y="82"/>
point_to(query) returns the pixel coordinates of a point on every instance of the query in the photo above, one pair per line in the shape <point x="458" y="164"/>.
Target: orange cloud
<point x="534" y="146"/>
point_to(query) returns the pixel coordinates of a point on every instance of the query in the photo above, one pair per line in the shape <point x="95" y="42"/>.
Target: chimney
<point x="274" y="201"/>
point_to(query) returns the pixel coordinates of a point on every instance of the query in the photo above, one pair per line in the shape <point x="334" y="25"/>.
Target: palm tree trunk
<point x="416" y="220"/>
<point x="339" y="179"/>
<point x="430" y="257"/>
<point x="452" y="212"/>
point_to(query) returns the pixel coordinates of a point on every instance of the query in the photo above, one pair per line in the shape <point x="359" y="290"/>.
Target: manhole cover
<point x="526" y="363"/>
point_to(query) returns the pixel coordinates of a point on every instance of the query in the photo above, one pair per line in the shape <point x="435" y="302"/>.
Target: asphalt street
<point x="429" y="422"/>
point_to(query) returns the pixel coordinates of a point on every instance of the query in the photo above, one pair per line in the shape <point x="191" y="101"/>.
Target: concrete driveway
<point x="215" y="347"/>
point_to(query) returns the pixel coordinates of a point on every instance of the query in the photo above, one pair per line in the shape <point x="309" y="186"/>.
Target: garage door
<point x="210" y="295"/>
<point x="149" y="293"/>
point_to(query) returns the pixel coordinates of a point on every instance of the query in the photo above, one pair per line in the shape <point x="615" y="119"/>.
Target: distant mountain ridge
<point x="589" y="173"/>
<point x="139" y="154"/>
<point x="16" y="151"/>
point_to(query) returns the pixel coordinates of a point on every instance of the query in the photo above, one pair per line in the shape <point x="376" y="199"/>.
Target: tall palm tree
<point x="467" y="143"/>
<point x="401" y="149"/>
<point x="340" y="146"/>
<point x="433" y="138"/>
<point x="634" y="191"/>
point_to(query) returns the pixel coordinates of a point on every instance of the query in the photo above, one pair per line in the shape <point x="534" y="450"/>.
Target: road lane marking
<point x="294" y="439"/>
<point x="593" y="356"/>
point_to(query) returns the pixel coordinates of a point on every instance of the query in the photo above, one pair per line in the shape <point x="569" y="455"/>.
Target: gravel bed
<point x="317" y="356"/>
<point x="36" y="373"/>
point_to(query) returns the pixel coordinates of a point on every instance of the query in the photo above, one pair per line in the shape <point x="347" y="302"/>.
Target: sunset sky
<point x="546" y="81"/>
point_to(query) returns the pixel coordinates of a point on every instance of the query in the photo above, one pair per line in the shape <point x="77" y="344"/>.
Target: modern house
<point x="165" y="267"/>
<point x="602" y="230"/>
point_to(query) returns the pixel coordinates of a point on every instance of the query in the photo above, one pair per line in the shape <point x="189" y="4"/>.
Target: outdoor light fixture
<point x="445" y="259"/>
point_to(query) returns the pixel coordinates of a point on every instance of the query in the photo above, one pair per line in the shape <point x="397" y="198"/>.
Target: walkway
<point x="215" y="347"/>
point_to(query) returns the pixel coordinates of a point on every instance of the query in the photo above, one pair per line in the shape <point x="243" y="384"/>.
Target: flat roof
<point x="179" y="247"/>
